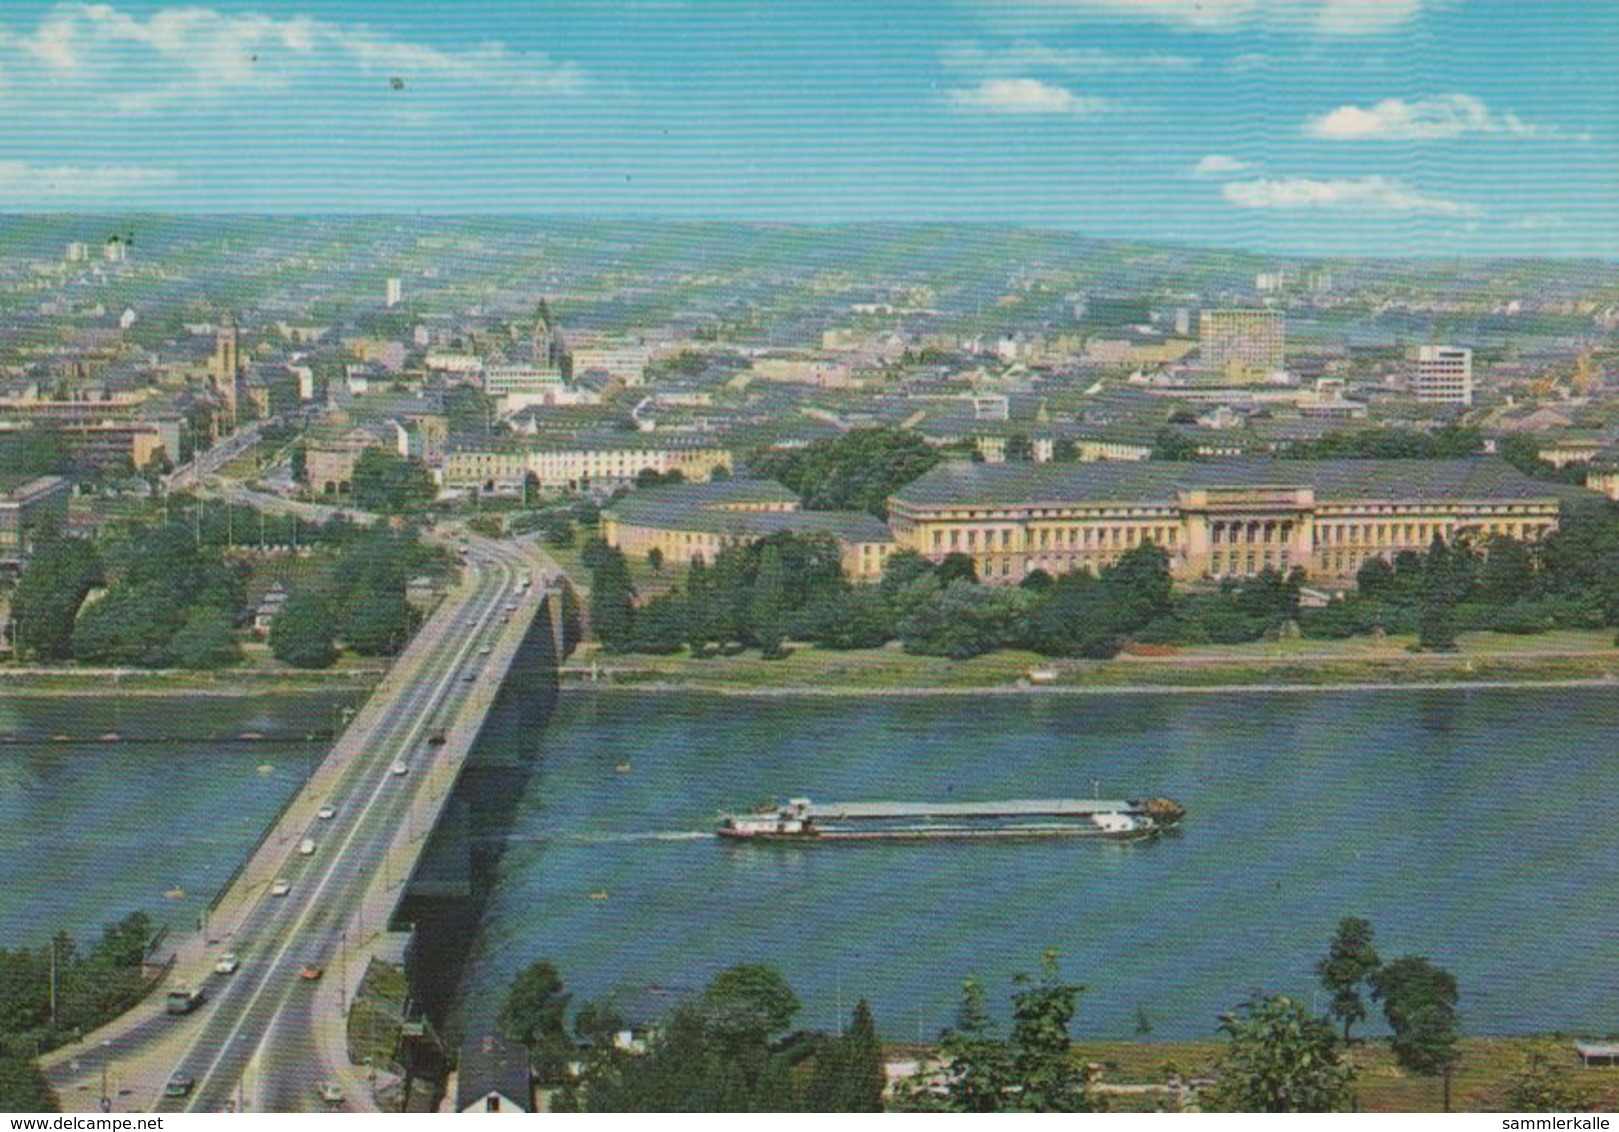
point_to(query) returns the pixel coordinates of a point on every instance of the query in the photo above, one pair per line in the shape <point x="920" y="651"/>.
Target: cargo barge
<point x="801" y="821"/>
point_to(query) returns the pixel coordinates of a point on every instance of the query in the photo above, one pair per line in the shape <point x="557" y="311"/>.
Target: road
<point x="266" y="1036"/>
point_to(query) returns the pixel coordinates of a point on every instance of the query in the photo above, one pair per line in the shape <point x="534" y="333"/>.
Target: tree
<point x="661" y="625"/>
<point x="377" y="622"/>
<point x="130" y="625"/>
<point x="1508" y="572"/>
<point x="748" y="1003"/>
<point x="978" y="1064"/>
<point x="388" y="482"/>
<point x="125" y="943"/>
<point x="302" y="634"/>
<point x="45" y="605"/>
<point x="1351" y="961"/>
<point x="853" y="618"/>
<point x="767" y="609"/>
<point x="956" y="567"/>
<point x="965" y="620"/>
<point x="1375" y="578"/>
<point x="1436" y="623"/>
<point x="206" y="641"/>
<point x="858" y="470"/>
<point x="23" y="1087"/>
<point x="1280" y="1059"/>
<point x="612" y="598"/>
<point x="1419" y="1002"/>
<point x="1139" y="586"/>
<point x="651" y="477"/>
<point x="1033" y="1070"/>
<point x="902" y="568"/>
<point x="716" y="1053"/>
<point x="1042" y="1056"/>
<point x="848" y="1074"/>
<point x="654" y="559"/>
<point x="535" y="1014"/>
<point x="1173" y="444"/>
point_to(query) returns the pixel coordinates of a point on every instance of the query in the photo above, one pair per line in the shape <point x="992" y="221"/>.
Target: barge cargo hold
<point x="801" y="821"/>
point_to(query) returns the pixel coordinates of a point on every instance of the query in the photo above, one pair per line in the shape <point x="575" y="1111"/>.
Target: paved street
<point x="266" y="1036"/>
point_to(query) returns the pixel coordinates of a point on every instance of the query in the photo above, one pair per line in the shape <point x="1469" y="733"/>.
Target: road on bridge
<point x="267" y="1035"/>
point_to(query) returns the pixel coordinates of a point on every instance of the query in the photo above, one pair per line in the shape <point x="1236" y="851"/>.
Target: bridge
<point x="317" y="899"/>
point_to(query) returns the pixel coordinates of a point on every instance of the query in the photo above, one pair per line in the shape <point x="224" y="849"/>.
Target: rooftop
<point x="710" y="508"/>
<point x="1159" y="481"/>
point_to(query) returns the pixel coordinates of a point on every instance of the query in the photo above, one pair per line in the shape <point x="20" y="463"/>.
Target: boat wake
<point x="609" y="838"/>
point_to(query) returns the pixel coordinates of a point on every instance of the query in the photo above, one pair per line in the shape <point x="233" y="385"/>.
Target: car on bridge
<point x="326" y="813"/>
<point x="184" y="999"/>
<point x="179" y="1085"/>
<point x="399" y="767"/>
<point x="330" y="1092"/>
<point x="281" y="887"/>
<point x="311" y="972"/>
<point x="228" y="963"/>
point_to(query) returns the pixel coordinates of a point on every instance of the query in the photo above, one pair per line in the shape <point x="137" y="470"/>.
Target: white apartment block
<point x="1444" y="375"/>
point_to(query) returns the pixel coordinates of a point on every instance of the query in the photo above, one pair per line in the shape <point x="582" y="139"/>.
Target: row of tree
<point x="169" y="602"/>
<point x="173" y="599"/>
<point x="731" y="1047"/>
<point x="55" y="993"/>
<point x="361" y="603"/>
<point x="728" y="1048"/>
<point x="790" y="587"/>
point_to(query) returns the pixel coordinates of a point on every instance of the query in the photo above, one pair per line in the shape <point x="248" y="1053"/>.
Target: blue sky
<point x="1430" y="127"/>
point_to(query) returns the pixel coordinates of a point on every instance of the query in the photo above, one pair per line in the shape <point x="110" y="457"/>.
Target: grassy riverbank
<point x="103" y="682"/>
<point x="1483" y="658"/>
<point x="1134" y="1072"/>
<point x="1487" y="1067"/>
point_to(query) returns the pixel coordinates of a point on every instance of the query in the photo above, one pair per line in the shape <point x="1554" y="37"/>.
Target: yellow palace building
<point x="1217" y="519"/>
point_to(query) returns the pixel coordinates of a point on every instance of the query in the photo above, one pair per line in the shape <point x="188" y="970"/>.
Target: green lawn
<point x="1487" y="1064"/>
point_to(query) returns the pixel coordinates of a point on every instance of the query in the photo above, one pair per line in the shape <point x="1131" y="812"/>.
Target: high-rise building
<point x="395" y="292"/>
<point x="115" y="250"/>
<point x="1444" y="375"/>
<point x="78" y="252"/>
<point x="1245" y="345"/>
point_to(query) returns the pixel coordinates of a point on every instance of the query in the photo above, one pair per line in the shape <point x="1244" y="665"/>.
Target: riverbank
<point x="1483" y="660"/>
<point x="1486" y="1068"/>
<point x="103" y="682"/>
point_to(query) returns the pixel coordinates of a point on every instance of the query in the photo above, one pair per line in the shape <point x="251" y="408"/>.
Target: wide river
<point x="1475" y="827"/>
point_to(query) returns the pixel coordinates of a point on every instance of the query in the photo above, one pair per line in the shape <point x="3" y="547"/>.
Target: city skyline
<point x="1329" y="127"/>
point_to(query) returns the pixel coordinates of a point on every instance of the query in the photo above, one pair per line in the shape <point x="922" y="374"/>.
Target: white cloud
<point x="1025" y="96"/>
<point x="1331" y="17"/>
<point x="1539" y="222"/>
<point x="1423" y="119"/>
<point x="21" y="181"/>
<point x="1218" y="165"/>
<point x="1026" y="57"/>
<point x="1371" y="194"/>
<point x="135" y="64"/>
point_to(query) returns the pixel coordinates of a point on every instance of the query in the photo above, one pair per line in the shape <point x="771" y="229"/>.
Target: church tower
<point x="227" y="369"/>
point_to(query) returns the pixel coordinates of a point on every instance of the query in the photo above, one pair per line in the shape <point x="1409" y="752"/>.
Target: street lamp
<point x="106" y="1056"/>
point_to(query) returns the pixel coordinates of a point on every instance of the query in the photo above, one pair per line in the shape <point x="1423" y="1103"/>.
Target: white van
<point x="306" y="847"/>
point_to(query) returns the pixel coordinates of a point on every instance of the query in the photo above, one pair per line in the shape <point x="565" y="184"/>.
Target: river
<point x="120" y="804"/>
<point x="1473" y="826"/>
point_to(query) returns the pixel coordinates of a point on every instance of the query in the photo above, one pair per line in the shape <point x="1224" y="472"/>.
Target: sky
<point x="1313" y="127"/>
